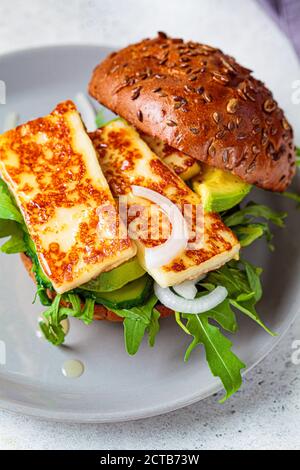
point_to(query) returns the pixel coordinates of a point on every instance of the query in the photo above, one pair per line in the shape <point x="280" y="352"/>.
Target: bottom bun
<point x="100" y="312"/>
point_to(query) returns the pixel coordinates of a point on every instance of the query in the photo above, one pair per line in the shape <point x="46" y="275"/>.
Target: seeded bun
<point x="203" y="103"/>
<point x="101" y="312"/>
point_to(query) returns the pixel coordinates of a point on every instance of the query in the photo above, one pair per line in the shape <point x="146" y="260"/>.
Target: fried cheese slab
<point x="52" y="170"/>
<point x="126" y="160"/>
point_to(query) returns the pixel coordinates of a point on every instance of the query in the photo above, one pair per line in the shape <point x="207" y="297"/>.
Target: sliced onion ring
<point x="87" y="111"/>
<point x="200" y="305"/>
<point x="188" y="289"/>
<point x="178" y="240"/>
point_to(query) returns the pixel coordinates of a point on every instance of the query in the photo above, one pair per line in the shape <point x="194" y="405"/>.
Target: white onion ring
<point x="178" y="240"/>
<point x="88" y="114"/>
<point x="188" y="289"/>
<point x="200" y="305"/>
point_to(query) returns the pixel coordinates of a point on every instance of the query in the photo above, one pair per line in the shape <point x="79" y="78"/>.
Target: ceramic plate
<point x="115" y="387"/>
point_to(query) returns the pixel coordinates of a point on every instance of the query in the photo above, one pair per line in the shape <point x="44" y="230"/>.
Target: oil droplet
<point x="72" y="369"/>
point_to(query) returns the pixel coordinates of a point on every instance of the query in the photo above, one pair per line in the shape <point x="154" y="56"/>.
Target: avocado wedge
<point x="133" y="294"/>
<point x="220" y="190"/>
<point x="116" y="278"/>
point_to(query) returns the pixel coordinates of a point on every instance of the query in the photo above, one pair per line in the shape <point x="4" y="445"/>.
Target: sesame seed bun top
<point x="203" y="103"/>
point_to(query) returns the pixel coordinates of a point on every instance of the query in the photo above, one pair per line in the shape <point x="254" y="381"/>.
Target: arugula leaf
<point x="293" y="196"/>
<point x="52" y="327"/>
<point x="8" y="211"/>
<point x="137" y="321"/>
<point x="254" y="211"/>
<point x="230" y="276"/>
<point x="5" y="191"/>
<point x="16" y="243"/>
<point x="7" y="227"/>
<point x="222" y="361"/>
<point x="42" y="293"/>
<point x="153" y="327"/>
<point x="225" y="316"/>
<point x="134" y="331"/>
<point x="248" y="308"/>
<point x="242" y="281"/>
<point x="87" y="314"/>
<point x="252" y="222"/>
<point x="180" y="323"/>
<point x="247" y="234"/>
<point x="8" y="206"/>
<point x="253" y="275"/>
<point x="11" y="223"/>
<point x="74" y="300"/>
<point x="222" y="313"/>
<point x="43" y="283"/>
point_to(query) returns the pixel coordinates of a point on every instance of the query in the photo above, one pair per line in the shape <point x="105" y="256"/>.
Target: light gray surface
<point x="266" y="415"/>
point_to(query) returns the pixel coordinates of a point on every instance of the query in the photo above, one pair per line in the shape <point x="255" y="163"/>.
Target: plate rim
<point x="117" y="417"/>
<point x="74" y="45"/>
<point x="122" y="417"/>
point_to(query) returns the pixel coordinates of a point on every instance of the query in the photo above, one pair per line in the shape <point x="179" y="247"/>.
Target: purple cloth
<point x="287" y="14"/>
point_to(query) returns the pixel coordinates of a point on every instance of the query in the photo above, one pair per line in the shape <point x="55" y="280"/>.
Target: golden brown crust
<point x="201" y="102"/>
<point x="101" y="312"/>
<point x="51" y="167"/>
<point x="126" y="161"/>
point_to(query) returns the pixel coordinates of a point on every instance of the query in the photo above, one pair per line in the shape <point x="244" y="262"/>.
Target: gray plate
<point x="116" y="387"/>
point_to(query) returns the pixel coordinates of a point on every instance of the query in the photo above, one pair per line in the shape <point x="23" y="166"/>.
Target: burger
<point x="144" y="216"/>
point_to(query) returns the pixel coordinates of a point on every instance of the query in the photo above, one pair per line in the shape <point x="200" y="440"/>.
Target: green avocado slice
<point x="220" y="190"/>
<point x="116" y="278"/>
<point x="133" y="294"/>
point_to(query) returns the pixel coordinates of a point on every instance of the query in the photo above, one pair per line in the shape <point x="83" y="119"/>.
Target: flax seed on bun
<point x="203" y="103"/>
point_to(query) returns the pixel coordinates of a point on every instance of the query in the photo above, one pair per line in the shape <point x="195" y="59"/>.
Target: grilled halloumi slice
<point x="126" y="160"/>
<point x="52" y="169"/>
<point x="184" y="166"/>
